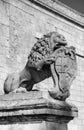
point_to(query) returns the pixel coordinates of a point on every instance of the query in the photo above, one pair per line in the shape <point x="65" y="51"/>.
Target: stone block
<point x="38" y="108"/>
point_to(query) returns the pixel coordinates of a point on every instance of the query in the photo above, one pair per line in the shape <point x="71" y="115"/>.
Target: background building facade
<point x="23" y="20"/>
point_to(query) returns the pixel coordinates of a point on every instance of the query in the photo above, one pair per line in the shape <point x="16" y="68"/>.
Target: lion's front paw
<point x="50" y="59"/>
<point x="20" y="90"/>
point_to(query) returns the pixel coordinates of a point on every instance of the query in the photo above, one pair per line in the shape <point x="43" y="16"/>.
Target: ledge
<point x="34" y="106"/>
<point x="63" y="10"/>
<point x="56" y="7"/>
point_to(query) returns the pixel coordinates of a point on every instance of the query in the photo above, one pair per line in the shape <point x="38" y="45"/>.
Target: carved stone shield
<point x="65" y="67"/>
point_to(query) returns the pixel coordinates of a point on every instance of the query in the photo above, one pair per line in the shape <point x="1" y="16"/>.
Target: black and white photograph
<point x="41" y="65"/>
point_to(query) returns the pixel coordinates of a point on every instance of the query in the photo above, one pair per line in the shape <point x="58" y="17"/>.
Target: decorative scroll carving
<point x="48" y="57"/>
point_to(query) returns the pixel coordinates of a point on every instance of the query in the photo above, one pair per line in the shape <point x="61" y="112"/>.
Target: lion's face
<point x="57" y="40"/>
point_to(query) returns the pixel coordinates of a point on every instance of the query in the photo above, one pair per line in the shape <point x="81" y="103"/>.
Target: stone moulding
<point x="57" y="7"/>
<point x="17" y="108"/>
<point x="61" y="9"/>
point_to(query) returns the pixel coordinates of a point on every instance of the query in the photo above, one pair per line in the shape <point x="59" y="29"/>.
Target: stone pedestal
<point x="37" y="109"/>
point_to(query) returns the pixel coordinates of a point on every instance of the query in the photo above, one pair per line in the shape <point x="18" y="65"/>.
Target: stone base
<point x="38" y="108"/>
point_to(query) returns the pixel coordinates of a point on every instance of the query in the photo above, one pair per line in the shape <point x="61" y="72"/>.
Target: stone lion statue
<point x="40" y="65"/>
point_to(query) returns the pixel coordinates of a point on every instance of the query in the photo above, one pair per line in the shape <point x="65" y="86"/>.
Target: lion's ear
<point x="48" y="34"/>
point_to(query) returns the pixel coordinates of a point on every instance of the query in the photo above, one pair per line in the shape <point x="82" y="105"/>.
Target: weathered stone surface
<point x="42" y="21"/>
<point x="4" y="13"/>
<point x="34" y="106"/>
<point x="39" y="125"/>
<point x="57" y="7"/>
<point x="64" y="10"/>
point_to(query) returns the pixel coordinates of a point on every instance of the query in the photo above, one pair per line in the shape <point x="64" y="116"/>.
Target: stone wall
<point x="20" y="22"/>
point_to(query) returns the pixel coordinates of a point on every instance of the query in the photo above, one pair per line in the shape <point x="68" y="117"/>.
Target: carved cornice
<point x="58" y="8"/>
<point x="63" y="10"/>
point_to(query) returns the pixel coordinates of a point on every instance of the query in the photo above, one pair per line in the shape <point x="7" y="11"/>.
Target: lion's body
<point x="38" y="65"/>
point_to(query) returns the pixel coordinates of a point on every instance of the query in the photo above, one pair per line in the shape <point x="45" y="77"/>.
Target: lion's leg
<point x="25" y="86"/>
<point x="11" y="83"/>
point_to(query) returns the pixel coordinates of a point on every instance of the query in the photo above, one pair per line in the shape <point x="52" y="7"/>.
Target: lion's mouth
<point x="61" y="44"/>
<point x="58" y="45"/>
